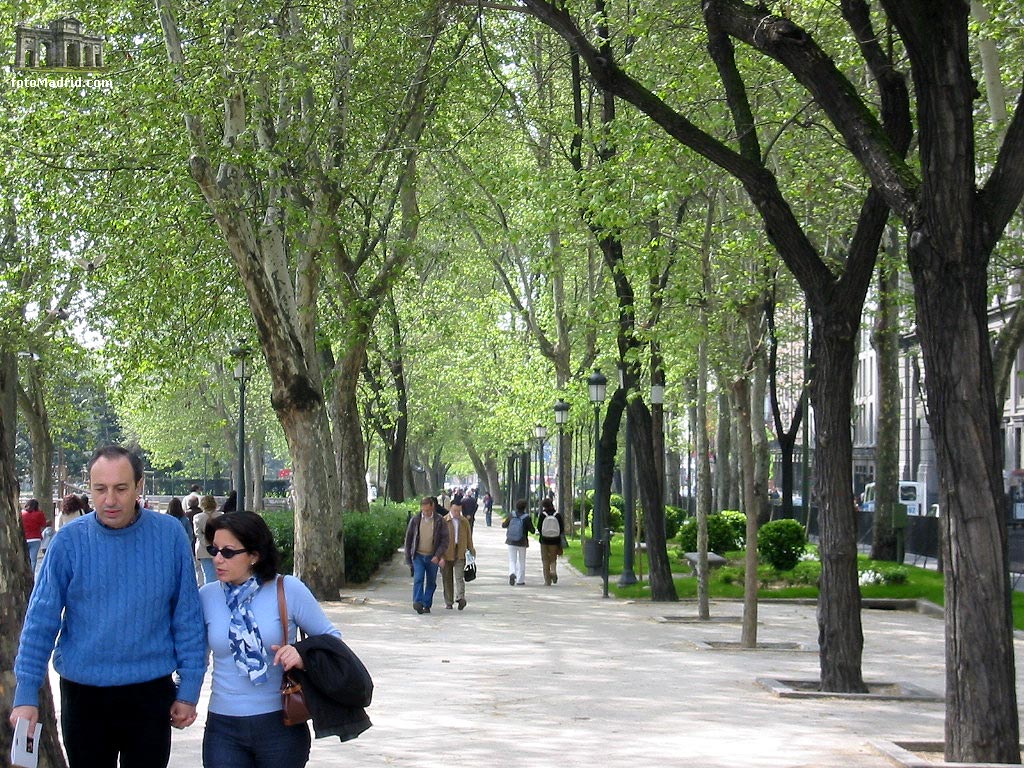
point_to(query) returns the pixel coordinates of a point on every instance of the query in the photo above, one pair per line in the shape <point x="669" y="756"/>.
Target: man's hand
<point x="25" y="712"/>
<point x="183" y="714"/>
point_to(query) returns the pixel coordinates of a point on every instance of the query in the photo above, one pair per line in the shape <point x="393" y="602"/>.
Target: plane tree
<point x="954" y="206"/>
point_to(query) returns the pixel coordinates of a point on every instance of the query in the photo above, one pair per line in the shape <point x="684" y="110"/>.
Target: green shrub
<point x="674" y="517"/>
<point x="616" y="517"/>
<point x="806" y="572"/>
<point x="371" y="538"/>
<point x="738" y="522"/>
<point x="781" y="542"/>
<point x="728" y="574"/>
<point x="282" y="525"/>
<point x="721" y="534"/>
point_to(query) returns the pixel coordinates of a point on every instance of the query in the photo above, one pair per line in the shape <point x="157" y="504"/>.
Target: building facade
<point x="62" y="43"/>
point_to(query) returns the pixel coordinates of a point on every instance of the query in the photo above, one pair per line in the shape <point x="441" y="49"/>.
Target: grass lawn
<point x="727" y="582"/>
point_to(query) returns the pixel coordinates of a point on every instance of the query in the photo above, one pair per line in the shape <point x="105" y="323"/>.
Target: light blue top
<point x="122" y="604"/>
<point x="233" y="693"/>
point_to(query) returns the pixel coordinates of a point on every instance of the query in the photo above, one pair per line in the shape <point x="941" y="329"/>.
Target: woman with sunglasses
<point x="245" y="727"/>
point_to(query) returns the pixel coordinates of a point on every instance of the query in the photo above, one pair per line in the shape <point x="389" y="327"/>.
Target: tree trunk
<point x="663" y="588"/>
<point x="15" y="587"/>
<point x="492" y="482"/>
<point x="885" y="340"/>
<point x="348" y="429"/>
<point x="741" y="398"/>
<point x="255" y="470"/>
<point x="33" y="407"/>
<point x="320" y="543"/>
<point x="698" y="427"/>
<point x="840" y="636"/>
<point x="759" y="437"/>
<point x="723" y="454"/>
<point x="950" y="294"/>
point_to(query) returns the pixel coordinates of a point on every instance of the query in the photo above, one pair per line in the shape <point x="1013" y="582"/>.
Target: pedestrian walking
<point x="70" y="509"/>
<point x="469" y="507"/>
<point x="453" y="571"/>
<point x="245" y="726"/>
<point x="117" y="608"/>
<point x="33" y="523"/>
<point x="519" y="526"/>
<point x="488" y="507"/>
<point x="551" y="527"/>
<point x="208" y="512"/>
<point x="426" y="541"/>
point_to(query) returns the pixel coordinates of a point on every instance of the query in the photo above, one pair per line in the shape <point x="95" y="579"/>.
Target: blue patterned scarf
<point x="243" y="634"/>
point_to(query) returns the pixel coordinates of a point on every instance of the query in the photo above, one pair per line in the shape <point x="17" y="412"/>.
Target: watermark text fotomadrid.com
<point x="76" y="81"/>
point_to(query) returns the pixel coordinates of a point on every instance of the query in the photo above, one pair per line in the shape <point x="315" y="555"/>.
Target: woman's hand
<point x="287" y="657"/>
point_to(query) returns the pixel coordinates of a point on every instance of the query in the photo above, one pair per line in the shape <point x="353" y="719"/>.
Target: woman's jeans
<point x="255" y="741"/>
<point x="33" y="552"/>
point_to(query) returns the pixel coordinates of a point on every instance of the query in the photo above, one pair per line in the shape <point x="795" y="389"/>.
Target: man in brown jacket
<point x="426" y="541"/>
<point x="453" y="568"/>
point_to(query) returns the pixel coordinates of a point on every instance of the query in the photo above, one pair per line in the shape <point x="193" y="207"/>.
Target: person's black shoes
<point x="419" y="607"/>
<point x="462" y="603"/>
<point x="511" y="579"/>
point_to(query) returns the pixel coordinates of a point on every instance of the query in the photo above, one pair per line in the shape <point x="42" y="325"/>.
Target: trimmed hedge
<point x="781" y="542"/>
<point x="722" y="533"/>
<point x="371" y="538"/>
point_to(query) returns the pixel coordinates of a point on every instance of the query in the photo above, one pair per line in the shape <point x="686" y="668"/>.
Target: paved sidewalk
<point x="559" y="676"/>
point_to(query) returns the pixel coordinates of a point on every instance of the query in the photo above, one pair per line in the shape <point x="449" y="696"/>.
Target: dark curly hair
<point x="254" y="534"/>
<point x="70" y="504"/>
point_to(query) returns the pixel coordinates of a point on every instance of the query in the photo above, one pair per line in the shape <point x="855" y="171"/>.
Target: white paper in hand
<point x="25" y="748"/>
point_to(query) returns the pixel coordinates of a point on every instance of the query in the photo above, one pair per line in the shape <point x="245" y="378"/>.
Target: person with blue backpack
<point x="520" y="526"/>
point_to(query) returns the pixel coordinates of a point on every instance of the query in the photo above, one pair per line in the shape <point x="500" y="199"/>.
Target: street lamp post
<point x="561" y="417"/>
<point x="540" y="432"/>
<point x="242" y="374"/>
<point x="597" y="383"/>
<point x="628" y="576"/>
<point x="206" y="467"/>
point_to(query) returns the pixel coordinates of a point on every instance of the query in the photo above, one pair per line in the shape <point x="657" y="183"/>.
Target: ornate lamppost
<point x="242" y="374"/>
<point x="540" y="432"/>
<point x="561" y="417"/>
<point x="597" y="384"/>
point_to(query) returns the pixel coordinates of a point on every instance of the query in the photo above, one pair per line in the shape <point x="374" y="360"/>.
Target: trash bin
<point x="592" y="556"/>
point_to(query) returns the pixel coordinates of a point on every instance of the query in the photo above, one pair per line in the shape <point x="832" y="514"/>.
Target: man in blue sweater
<point x="117" y="592"/>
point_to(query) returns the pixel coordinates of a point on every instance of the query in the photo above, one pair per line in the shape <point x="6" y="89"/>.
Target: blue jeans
<point x="33" y="553"/>
<point x="209" y="571"/>
<point x="256" y="741"/>
<point x="424" y="579"/>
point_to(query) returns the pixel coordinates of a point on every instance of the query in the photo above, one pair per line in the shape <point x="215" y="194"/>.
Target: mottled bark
<point x="885" y="340"/>
<point x="15" y="587"/>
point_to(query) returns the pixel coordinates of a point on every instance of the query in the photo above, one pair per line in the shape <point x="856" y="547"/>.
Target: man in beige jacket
<point x="453" y="572"/>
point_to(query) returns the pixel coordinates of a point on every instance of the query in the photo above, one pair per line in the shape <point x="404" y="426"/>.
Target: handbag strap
<point x="282" y="607"/>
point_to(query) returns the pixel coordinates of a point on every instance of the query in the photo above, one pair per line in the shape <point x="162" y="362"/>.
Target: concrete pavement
<point x="559" y="676"/>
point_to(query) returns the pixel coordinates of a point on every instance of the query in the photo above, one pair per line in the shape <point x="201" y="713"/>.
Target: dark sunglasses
<point x="226" y="552"/>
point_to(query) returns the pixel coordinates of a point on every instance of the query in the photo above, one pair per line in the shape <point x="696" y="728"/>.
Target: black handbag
<point x="470" y="573"/>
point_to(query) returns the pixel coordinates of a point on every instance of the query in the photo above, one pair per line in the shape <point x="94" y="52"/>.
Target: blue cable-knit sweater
<point x="125" y="604"/>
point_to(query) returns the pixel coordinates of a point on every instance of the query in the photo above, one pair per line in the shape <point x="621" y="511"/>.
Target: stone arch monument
<point x="62" y="43"/>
